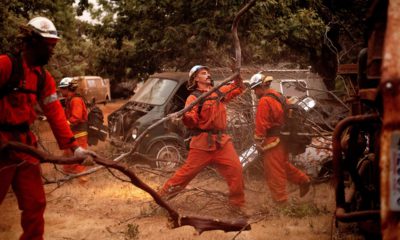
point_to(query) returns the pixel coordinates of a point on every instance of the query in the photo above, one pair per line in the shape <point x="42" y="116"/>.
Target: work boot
<point x="304" y="188"/>
<point x="241" y="210"/>
<point x="168" y="194"/>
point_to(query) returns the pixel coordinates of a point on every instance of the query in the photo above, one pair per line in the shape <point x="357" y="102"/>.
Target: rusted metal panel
<point x="347" y="69"/>
<point x="375" y="45"/>
<point x="390" y="88"/>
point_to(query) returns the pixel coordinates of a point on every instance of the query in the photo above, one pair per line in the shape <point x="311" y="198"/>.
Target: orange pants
<point x="278" y="171"/>
<point x="75" y="168"/>
<point x="227" y="164"/>
<point x="26" y="181"/>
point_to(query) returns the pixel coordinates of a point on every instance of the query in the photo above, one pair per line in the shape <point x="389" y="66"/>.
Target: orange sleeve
<point x="5" y="69"/>
<point x="54" y="112"/>
<point x="262" y="118"/>
<point x="191" y="118"/>
<point x="77" y="111"/>
<point x="232" y="90"/>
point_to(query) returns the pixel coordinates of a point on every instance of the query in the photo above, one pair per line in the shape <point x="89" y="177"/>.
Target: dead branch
<point x="238" y="50"/>
<point x="175" y="220"/>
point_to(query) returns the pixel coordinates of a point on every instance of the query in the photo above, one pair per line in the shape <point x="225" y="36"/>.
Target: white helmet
<point x="44" y="27"/>
<point x="196" y="68"/>
<point x="258" y="79"/>
<point x="69" y="83"/>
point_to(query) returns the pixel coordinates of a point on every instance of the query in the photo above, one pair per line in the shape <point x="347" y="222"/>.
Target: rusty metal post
<point x="390" y="144"/>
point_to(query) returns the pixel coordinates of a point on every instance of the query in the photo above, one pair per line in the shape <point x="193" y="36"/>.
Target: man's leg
<point x="195" y="162"/>
<point x="7" y="172"/>
<point x="28" y="188"/>
<point x="275" y="173"/>
<point x="228" y="165"/>
<point x="295" y="175"/>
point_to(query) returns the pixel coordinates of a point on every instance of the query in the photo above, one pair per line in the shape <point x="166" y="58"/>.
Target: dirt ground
<point x="108" y="208"/>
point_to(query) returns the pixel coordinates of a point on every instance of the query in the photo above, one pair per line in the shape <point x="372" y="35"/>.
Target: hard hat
<point x="258" y="79"/>
<point x="44" y="27"/>
<point x="69" y="83"/>
<point x="195" y="69"/>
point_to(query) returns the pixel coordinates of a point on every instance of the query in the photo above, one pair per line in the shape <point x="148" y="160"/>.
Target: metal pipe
<point x="337" y="151"/>
<point x="358" y="216"/>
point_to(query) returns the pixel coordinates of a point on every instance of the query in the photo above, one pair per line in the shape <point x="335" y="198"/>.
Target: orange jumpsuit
<point x="277" y="168"/>
<point x="211" y="146"/>
<point x="20" y="170"/>
<point x="77" y="116"/>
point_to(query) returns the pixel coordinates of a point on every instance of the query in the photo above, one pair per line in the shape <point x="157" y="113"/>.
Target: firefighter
<point x="77" y="117"/>
<point x="37" y="41"/>
<point x="209" y="143"/>
<point x="269" y="120"/>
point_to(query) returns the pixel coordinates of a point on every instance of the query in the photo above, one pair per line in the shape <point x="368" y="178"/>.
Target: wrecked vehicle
<point x="159" y="96"/>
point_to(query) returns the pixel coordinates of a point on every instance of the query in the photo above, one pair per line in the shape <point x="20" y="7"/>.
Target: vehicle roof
<point x="179" y="76"/>
<point x="81" y="77"/>
<point x="184" y="76"/>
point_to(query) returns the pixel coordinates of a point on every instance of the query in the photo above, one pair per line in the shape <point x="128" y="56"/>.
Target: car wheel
<point x="167" y="154"/>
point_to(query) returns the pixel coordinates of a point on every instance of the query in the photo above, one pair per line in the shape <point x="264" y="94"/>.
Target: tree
<point x="70" y="50"/>
<point x="135" y="38"/>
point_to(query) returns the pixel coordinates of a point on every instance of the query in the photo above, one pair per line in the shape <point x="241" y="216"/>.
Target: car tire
<point x="170" y="153"/>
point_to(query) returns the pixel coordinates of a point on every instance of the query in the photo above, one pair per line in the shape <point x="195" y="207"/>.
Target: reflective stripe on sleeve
<point x="81" y="134"/>
<point x="49" y="99"/>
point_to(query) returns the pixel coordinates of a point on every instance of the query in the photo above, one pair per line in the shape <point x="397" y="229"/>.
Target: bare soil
<point x="107" y="208"/>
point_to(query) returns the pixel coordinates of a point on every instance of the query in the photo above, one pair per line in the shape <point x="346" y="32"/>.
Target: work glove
<point x="175" y="119"/>
<point x="82" y="153"/>
<point x="87" y="154"/>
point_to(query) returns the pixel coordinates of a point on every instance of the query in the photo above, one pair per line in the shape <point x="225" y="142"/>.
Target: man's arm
<point x="191" y="118"/>
<point x="54" y="112"/>
<point x="232" y="90"/>
<point x="5" y="69"/>
<point x="77" y="111"/>
<point x="262" y="119"/>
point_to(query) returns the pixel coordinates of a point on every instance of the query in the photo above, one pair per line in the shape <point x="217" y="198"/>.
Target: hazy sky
<point x="86" y="16"/>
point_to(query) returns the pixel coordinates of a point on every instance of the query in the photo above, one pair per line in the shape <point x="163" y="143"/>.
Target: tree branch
<point x="200" y="224"/>
<point x="236" y="41"/>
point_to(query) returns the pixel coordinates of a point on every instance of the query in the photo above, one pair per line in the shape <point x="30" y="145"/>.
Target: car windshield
<point x="294" y="88"/>
<point x="155" y="91"/>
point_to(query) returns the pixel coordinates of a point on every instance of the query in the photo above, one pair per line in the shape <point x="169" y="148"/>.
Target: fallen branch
<point x="175" y="220"/>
